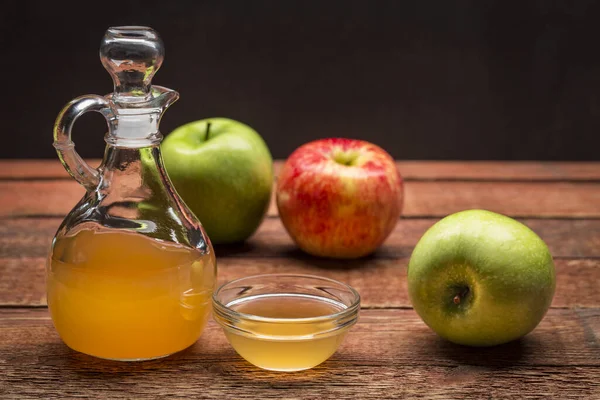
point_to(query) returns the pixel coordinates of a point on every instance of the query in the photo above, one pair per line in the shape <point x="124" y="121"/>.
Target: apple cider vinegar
<point x="291" y="341"/>
<point x="131" y="271"/>
<point x="286" y="322"/>
<point x="128" y="297"/>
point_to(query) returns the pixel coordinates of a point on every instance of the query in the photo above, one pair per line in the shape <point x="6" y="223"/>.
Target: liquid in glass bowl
<point x="284" y="322"/>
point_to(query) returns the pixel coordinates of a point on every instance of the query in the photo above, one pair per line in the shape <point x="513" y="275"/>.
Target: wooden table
<point x="390" y="353"/>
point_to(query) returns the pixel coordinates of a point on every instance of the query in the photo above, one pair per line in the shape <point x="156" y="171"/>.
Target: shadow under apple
<point x="517" y="352"/>
<point x="329" y="263"/>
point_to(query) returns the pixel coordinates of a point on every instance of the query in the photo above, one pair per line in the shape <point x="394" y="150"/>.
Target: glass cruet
<point x="131" y="271"/>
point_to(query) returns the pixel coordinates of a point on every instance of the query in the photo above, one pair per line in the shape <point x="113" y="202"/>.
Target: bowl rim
<point x="351" y="310"/>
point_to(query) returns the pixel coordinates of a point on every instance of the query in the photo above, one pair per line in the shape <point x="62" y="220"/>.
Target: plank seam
<point x="592" y="217"/>
<point x="406" y="179"/>
<point x="9" y="306"/>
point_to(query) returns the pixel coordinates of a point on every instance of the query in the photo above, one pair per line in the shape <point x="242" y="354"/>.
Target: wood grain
<point x="388" y="354"/>
<point x="24" y="245"/>
<point x="514" y="199"/>
<point x="381" y="282"/>
<point x="423" y="199"/>
<point x="31" y="237"/>
<point x="565" y="238"/>
<point x="20" y="198"/>
<point x="410" y="170"/>
<point x="499" y="170"/>
<point x="401" y="329"/>
<point x="36" y="169"/>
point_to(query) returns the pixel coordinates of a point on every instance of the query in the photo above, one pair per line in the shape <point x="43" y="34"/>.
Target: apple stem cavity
<point x="208" y="124"/>
<point x="345" y="157"/>
<point x="460" y="296"/>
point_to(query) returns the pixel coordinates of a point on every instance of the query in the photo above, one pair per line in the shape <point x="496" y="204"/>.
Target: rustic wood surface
<point x="411" y="170"/>
<point x="390" y="353"/>
<point x="423" y="198"/>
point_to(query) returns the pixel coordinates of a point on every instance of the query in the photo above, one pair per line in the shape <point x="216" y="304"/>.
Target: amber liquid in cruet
<point x="126" y="296"/>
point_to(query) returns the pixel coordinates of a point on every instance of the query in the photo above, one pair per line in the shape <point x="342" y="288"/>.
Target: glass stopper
<point x="131" y="55"/>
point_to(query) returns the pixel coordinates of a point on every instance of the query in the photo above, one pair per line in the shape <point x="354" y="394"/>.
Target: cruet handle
<point x="87" y="176"/>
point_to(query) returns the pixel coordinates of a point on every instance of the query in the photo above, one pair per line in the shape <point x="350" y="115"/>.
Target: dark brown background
<point x="424" y="79"/>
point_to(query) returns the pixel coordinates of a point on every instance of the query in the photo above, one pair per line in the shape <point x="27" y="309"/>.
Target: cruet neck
<point x="132" y="55"/>
<point x="131" y="162"/>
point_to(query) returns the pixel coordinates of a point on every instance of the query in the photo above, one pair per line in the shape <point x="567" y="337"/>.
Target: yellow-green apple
<point x="223" y="170"/>
<point x="339" y="198"/>
<point x="481" y="279"/>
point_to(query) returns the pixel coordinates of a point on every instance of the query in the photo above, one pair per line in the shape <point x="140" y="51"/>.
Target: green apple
<point x="223" y="170"/>
<point x="481" y="279"/>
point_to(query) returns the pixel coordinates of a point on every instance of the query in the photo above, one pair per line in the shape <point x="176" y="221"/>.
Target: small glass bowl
<point x="285" y="322"/>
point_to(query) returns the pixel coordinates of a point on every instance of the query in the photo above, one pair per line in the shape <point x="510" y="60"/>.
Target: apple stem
<point x="208" y="124"/>
<point x="460" y="296"/>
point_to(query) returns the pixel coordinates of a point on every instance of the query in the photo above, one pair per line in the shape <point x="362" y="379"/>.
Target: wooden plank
<point x="381" y="282"/>
<point x="331" y="380"/>
<point x="565" y="238"/>
<point x="36" y="169"/>
<point x="388" y="354"/>
<point x="499" y="170"/>
<point x="20" y="198"/>
<point x="564" y="337"/>
<point x="514" y="199"/>
<point x="424" y="170"/>
<point x="423" y="199"/>
<point x="24" y="244"/>
<point x="31" y="237"/>
<point x="410" y="170"/>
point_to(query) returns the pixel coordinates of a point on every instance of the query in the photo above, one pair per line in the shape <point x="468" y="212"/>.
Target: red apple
<point x="339" y="198"/>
